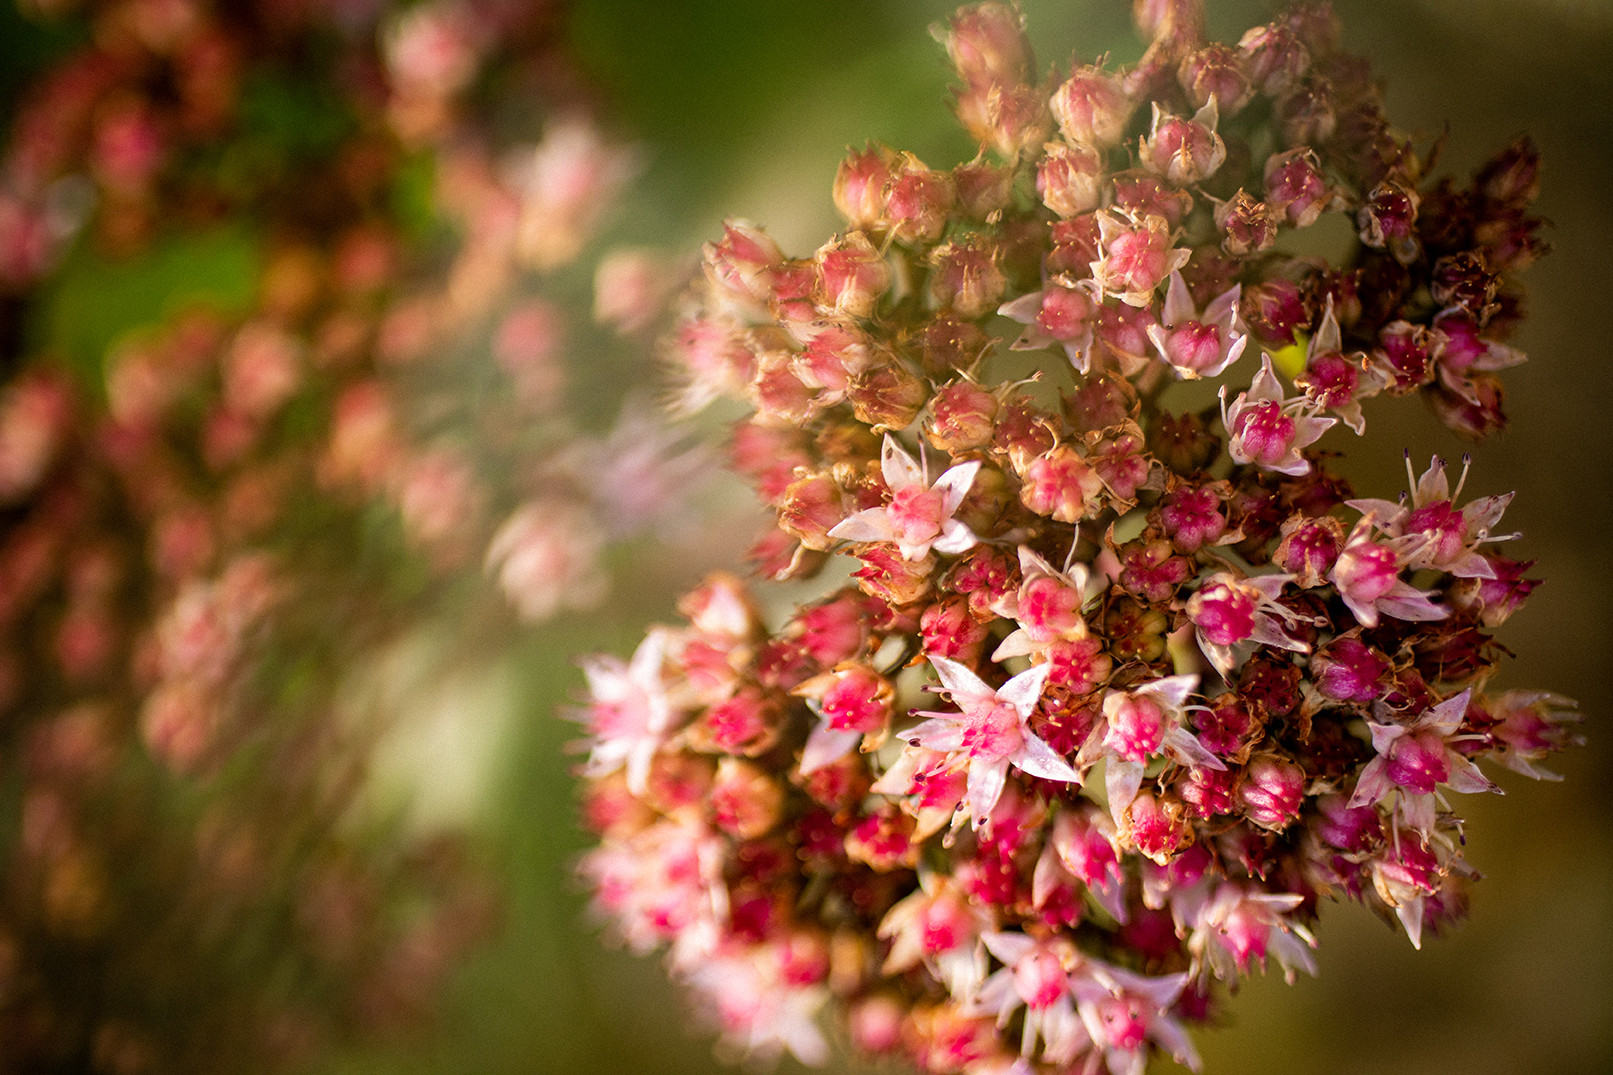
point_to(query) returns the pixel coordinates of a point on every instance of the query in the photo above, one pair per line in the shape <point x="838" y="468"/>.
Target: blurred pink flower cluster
<point x="1125" y="678"/>
<point x="211" y="531"/>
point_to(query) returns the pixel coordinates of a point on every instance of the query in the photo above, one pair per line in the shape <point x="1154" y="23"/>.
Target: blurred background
<point x="744" y="108"/>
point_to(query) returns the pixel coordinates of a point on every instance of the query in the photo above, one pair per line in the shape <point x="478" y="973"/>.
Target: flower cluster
<point x="1125" y="679"/>
<point x="216" y="521"/>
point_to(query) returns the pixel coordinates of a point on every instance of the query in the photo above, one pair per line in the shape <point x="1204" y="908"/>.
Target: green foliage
<point x="95" y="301"/>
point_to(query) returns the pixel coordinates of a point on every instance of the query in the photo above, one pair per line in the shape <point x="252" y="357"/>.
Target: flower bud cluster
<point x="247" y="504"/>
<point x="1123" y="683"/>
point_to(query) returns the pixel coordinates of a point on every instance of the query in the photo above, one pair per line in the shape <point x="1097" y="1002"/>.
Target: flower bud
<point x="1474" y="413"/>
<point x="1136" y="258"/>
<point x="1272" y="791"/>
<point x="1138" y="194"/>
<point x="1512" y="177"/>
<point x="887" y="398"/>
<point x="1069" y="179"/>
<point x="851" y="275"/>
<point x="859" y="186"/>
<point x="917" y="201"/>
<point x="1306" y="114"/>
<point x="965" y="277"/>
<point x="948" y="343"/>
<point x="1157" y="826"/>
<point x="741" y="263"/>
<point x="1405" y="355"/>
<point x="962" y="416"/>
<point x="987" y="44"/>
<point x="1295" y="187"/>
<point x="983" y="189"/>
<point x="1008" y="117"/>
<point x="1215" y="71"/>
<point x="1275" y="312"/>
<point x="1092" y="108"/>
<point x="1308" y="548"/>
<point x="1274" y="58"/>
<point x="1248" y="226"/>
<point x="745" y="800"/>
<point x="1183" y="151"/>
<point x="950" y="630"/>
<point x="811" y="507"/>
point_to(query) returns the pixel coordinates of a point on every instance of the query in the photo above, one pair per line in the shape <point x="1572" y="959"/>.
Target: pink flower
<point x="853" y="703"/>
<point x="1367" y="574"/>
<point x="1268" y="430"/>
<point x="759" y="1007"/>
<point x="1135" y="257"/>
<point x="1530" y="725"/>
<point x="1241" y="925"/>
<point x="1035" y="975"/>
<point x="546" y="557"/>
<point x="1334" y="380"/>
<point x="1415" y="760"/>
<point x="1432" y="532"/>
<point x="1183" y="151"/>
<point x="1198" y="346"/>
<point x="939" y="928"/>
<point x="1234" y="615"/>
<point x="918" y="516"/>
<point x="1047" y="606"/>
<point x="630" y="710"/>
<point x="1063" y="313"/>
<point x="989" y="733"/>
<point x="1124" y="1011"/>
<point x="1140" y="725"/>
<point x="1086" y="846"/>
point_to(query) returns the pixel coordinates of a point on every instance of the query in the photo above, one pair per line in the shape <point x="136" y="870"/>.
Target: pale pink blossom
<point x="1241" y="925"/>
<point x="1267" y="429"/>
<point x="1086" y="845"/>
<point x="1198" y="345"/>
<point x="1431" y="532"/>
<point x="989" y="733"/>
<point x="1124" y="1011"/>
<point x="1047" y="606"/>
<point x="937" y="927"/>
<point x="547" y="557"/>
<point x="630" y="710"/>
<point x="1064" y="312"/>
<point x="1135" y="257"/>
<point x="1035" y="975"/>
<point x="918" y="516"/>
<point x="759" y="1007"/>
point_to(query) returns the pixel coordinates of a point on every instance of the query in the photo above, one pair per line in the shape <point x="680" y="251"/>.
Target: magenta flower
<point x="1367" y="575"/>
<point x="1432" y="531"/>
<point x="1047" y="606"/>
<point x="1141" y="724"/>
<point x="1414" y="760"/>
<point x="1233" y="615"/>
